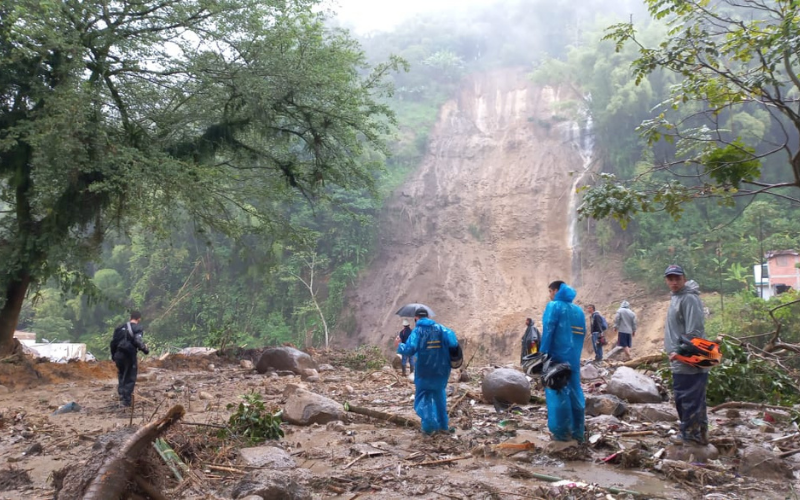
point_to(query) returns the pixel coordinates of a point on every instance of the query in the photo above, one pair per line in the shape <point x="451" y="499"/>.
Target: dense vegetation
<point x="270" y="261"/>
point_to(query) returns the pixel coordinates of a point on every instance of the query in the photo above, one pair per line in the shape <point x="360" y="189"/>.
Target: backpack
<point x="125" y="345"/>
<point x="603" y="322"/>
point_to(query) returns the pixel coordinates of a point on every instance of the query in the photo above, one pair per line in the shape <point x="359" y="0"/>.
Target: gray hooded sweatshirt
<point x="684" y="317"/>
<point x="625" y="319"/>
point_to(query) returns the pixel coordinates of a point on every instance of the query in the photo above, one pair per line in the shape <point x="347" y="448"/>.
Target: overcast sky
<point x="382" y="15"/>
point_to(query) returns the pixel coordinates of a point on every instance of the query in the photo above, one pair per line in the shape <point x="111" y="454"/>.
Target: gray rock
<point x="764" y="464"/>
<point x="633" y="386"/>
<point x="692" y="452"/>
<point x="506" y="385"/>
<point x="268" y="457"/>
<point x="309" y="373"/>
<point x="326" y="368"/>
<point x="605" y="404"/>
<point x="4" y="389"/>
<point x="246" y="364"/>
<point x="274" y="485"/>
<point x="284" y="359"/>
<point x="603" y="421"/>
<point x="252" y="497"/>
<point x="306" y="408"/>
<point x="590" y="372"/>
<point x="655" y="412"/>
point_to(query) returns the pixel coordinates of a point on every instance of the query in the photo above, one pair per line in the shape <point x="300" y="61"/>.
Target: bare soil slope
<point x="482" y="227"/>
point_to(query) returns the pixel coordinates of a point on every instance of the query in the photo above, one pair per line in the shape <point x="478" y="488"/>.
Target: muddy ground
<point x="491" y="454"/>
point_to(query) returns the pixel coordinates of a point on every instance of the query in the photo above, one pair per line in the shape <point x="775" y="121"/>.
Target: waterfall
<point x="583" y="140"/>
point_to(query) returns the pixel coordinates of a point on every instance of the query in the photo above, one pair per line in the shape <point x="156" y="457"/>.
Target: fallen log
<point x="114" y="475"/>
<point x="750" y="406"/>
<point x="644" y="360"/>
<point x="389" y="417"/>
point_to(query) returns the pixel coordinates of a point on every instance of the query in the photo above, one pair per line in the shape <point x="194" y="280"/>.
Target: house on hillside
<point x="780" y="273"/>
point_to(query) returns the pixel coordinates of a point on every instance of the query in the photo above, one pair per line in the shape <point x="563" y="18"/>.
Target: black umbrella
<point x="408" y="310"/>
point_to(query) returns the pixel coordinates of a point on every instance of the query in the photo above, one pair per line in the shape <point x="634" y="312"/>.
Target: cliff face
<point x="482" y="227"/>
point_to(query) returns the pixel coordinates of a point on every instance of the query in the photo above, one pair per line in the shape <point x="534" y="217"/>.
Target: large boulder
<point x="633" y="386"/>
<point x="506" y="385"/>
<point x="605" y="404"/>
<point x="275" y="485"/>
<point x="306" y="408"/>
<point x="284" y="359"/>
<point x="655" y="412"/>
<point x="266" y="457"/>
<point x="764" y="464"/>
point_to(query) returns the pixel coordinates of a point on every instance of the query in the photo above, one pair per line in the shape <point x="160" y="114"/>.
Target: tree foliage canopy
<point x="732" y="116"/>
<point x="138" y="111"/>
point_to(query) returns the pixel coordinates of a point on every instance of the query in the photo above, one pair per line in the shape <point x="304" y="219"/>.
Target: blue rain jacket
<point x="563" y="332"/>
<point x="431" y="343"/>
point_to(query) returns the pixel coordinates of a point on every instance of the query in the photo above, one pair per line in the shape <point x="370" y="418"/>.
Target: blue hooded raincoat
<point x="430" y="342"/>
<point x="563" y="331"/>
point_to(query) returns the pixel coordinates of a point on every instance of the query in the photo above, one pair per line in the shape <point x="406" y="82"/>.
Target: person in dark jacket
<point x="403" y="336"/>
<point x="596" y="327"/>
<point x="126" y="341"/>
<point x="530" y="339"/>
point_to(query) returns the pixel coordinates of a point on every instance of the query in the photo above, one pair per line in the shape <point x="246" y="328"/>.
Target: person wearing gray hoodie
<point x="685" y="318"/>
<point x="625" y="324"/>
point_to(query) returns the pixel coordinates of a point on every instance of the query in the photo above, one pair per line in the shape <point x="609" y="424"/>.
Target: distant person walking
<point x="685" y="319"/>
<point x="126" y="341"/>
<point x="625" y="325"/>
<point x="403" y="338"/>
<point x="530" y="339"/>
<point x="431" y="343"/>
<point x="597" y="325"/>
<point x="563" y="332"/>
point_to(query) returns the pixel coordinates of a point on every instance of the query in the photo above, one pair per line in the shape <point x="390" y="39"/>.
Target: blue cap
<point x="674" y="269"/>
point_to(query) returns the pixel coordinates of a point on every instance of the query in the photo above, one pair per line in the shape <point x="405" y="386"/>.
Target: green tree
<point x="738" y="65"/>
<point x="143" y="111"/>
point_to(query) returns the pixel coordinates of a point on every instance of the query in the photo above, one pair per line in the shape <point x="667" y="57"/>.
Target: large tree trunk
<point x="9" y="314"/>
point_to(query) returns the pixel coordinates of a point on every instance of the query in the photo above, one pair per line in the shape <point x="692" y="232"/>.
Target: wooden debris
<point x="644" y="360"/>
<point x="170" y="458"/>
<point x="445" y="460"/>
<point x="750" y="406"/>
<point x="113" y="477"/>
<point x="395" y="419"/>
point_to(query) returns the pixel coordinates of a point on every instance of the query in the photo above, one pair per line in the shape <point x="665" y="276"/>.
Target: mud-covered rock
<point x="280" y="359"/>
<point x="268" y="457"/>
<point x="663" y="412"/>
<point x="590" y="372"/>
<point x="274" y="485"/>
<point x="306" y="408"/>
<point x="690" y="452"/>
<point x="764" y="464"/>
<point x="633" y="386"/>
<point x="506" y="385"/>
<point x="605" y="404"/>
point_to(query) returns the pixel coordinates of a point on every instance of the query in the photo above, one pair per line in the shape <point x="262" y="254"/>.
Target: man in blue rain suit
<point x="563" y="331"/>
<point x="431" y="343"/>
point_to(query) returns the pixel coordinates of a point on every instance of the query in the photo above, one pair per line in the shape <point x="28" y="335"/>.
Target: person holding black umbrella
<point x="431" y="343"/>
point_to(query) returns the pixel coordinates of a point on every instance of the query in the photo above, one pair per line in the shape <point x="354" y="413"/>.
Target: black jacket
<point x="597" y="323"/>
<point x="122" y="331"/>
<point x="404" y="334"/>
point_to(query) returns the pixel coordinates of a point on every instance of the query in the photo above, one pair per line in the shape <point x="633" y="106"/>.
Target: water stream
<point x="582" y="139"/>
